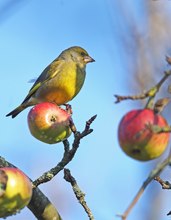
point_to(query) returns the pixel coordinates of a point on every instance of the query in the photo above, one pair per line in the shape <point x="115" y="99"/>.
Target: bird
<point x="60" y="81"/>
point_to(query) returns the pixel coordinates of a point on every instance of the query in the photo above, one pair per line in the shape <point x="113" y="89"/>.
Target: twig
<point x="78" y="193"/>
<point x="168" y="59"/>
<point x="155" y="172"/>
<point x="161" y="104"/>
<point x="68" y="154"/>
<point x="150" y="93"/>
<point x="164" y="184"/>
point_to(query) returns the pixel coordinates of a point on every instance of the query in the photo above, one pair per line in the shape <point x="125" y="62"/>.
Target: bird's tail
<point x="16" y="111"/>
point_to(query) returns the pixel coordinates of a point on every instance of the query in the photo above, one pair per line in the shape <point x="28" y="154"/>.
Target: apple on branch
<point x="137" y="140"/>
<point x="49" y="123"/>
<point x="15" y="191"/>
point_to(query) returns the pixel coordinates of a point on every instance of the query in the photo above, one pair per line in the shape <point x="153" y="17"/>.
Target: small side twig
<point x="89" y="122"/>
<point x="155" y="172"/>
<point x="168" y="59"/>
<point x="78" y="193"/>
<point x="68" y="154"/>
<point x="150" y="93"/>
<point x="164" y="184"/>
<point x="161" y="104"/>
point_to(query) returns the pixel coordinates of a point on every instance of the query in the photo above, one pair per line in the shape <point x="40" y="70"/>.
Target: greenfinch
<point x="60" y="81"/>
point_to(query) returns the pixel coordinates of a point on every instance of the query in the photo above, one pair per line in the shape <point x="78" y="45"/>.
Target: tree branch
<point x="150" y="93"/>
<point x="39" y="205"/>
<point x="68" y="154"/>
<point x="78" y="193"/>
<point x="155" y="172"/>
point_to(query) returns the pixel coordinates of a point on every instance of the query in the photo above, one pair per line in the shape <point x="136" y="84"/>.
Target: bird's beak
<point x="88" y="59"/>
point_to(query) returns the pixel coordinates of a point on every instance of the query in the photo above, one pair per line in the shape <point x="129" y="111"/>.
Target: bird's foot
<point x="68" y="108"/>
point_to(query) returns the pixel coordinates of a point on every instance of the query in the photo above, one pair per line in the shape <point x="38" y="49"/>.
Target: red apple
<point x="15" y="191"/>
<point x="138" y="141"/>
<point x="49" y="123"/>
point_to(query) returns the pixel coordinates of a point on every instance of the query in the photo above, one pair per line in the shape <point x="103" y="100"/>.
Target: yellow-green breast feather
<point x="61" y="86"/>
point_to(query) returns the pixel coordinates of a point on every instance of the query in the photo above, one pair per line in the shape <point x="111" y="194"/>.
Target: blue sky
<point x="33" y="33"/>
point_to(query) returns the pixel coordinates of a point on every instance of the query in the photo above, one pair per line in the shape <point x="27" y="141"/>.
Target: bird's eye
<point x="82" y="54"/>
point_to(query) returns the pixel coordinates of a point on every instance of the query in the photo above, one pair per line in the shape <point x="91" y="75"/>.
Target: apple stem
<point x="150" y="103"/>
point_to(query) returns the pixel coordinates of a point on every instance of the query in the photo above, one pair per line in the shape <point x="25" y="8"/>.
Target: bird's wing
<point x="48" y="73"/>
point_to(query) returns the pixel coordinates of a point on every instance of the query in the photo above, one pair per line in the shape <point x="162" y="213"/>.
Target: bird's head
<point x="78" y="55"/>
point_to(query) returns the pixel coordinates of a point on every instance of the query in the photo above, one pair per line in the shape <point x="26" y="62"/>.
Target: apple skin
<point x="17" y="194"/>
<point x="139" y="142"/>
<point x="49" y="123"/>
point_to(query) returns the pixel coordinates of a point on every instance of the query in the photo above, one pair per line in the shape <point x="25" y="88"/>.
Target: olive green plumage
<point x="60" y="81"/>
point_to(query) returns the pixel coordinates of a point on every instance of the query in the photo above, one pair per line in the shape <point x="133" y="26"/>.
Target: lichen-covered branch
<point x="68" y="154"/>
<point x="39" y="205"/>
<point x="78" y="193"/>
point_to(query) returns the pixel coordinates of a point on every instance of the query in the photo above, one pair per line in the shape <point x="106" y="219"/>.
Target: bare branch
<point x="150" y="93"/>
<point x="78" y="193"/>
<point x="155" y="172"/>
<point x="39" y="205"/>
<point x="68" y="154"/>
